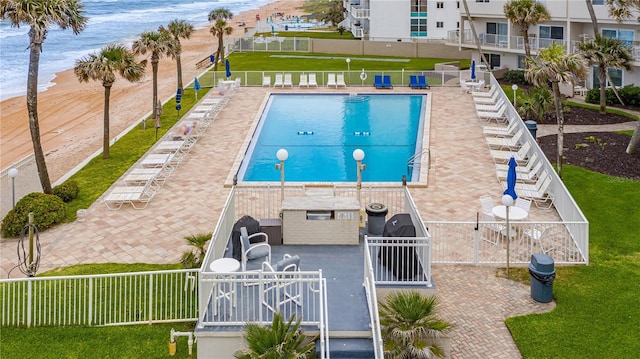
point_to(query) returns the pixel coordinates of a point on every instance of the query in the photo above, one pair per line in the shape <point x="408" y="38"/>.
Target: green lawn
<point x="598" y="310"/>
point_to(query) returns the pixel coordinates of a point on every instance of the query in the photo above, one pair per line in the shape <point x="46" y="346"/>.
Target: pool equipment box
<point x="320" y="220"/>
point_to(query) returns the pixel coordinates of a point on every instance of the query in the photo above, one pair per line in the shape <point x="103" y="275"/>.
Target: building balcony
<point x="359" y="12"/>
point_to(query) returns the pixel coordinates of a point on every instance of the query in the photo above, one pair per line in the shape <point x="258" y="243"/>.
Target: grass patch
<point x="597" y="312"/>
<point x="102" y="268"/>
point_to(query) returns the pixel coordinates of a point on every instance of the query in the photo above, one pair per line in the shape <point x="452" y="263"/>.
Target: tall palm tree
<point x="476" y="39"/>
<point x="410" y="323"/>
<point x="178" y="29"/>
<point x="526" y="13"/>
<point x="553" y="65"/>
<point x="39" y="16"/>
<point x="159" y="44"/>
<point x="103" y="66"/>
<point x="219" y="29"/>
<point x="606" y="53"/>
<point x="282" y="339"/>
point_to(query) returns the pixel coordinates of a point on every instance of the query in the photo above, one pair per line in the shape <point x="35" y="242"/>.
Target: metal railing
<point x="400" y="260"/>
<point x="271" y="43"/>
<point x="372" y="304"/>
<point x="102" y="299"/>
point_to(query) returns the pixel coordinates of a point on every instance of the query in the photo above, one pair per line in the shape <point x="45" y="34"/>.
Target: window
<point x="615" y="74"/>
<point x="597" y="2"/>
<point x="419" y="27"/>
<point x="419" y="6"/>
<point x="440" y="5"/>
<point x="439" y="24"/>
<point x="457" y="4"/>
<point x="551" y="32"/>
<point x="458" y="25"/>
<point x="626" y="36"/>
<point x="493" y="60"/>
<point x="497" y="28"/>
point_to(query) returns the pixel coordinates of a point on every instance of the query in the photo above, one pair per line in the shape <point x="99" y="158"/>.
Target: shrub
<point x="515" y="77"/>
<point x="629" y="94"/>
<point x="47" y="210"/>
<point x="67" y="191"/>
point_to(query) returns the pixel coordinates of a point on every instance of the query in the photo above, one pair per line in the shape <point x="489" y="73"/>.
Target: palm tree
<point x="159" y="44"/>
<point x="553" y="65"/>
<point x="536" y="104"/>
<point x="219" y="29"/>
<point x="526" y="13"/>
<point x="103" y="66"/>
<point x="476" y="39"/>
<point x="178" y="29"/>
<point x="280" y="340"/>
<point x="606" y="53"/>
<point x="39" y="16"/>
<point x="410" y="324"/>
<point x="193" y="259"/>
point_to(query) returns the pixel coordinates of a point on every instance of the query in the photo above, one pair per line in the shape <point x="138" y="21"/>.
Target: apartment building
<point x="401" y="20"/>
<point x="570" y="23"/>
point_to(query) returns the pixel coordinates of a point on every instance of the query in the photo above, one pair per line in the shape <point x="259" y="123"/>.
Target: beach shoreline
<point x="71" y="113"/>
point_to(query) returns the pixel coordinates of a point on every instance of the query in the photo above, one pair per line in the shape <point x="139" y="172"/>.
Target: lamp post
<point x="507" y="201"/>
<point x="282" y="156"/>
<point x="358" y="155"/>
<point x="514" y="87"/>
<point x="348" y="71"/>
<point x="13" y="173"/>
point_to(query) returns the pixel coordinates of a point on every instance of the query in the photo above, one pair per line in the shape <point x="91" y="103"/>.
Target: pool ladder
<point x="417" y="158"/>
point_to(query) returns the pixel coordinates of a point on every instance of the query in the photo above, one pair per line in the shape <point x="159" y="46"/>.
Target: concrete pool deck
<point x="191" y="201"/>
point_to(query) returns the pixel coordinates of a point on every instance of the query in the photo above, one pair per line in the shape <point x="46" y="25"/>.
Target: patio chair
<point x="287" y="80"/>
<point x="486" y="201"/>
<point x="281" y="283"/>
<point x="504" y="156"/>
<point x="331" y="80"/>
<point x="542" y="237"/>
<point x="523" y="203"/>
<point x="505" y="142"/>
<point x="464" y="87"/>
<point x="535" y="186"/>
<point x="490" y="107"/>
<point x="500" y="131"/>
<point x="377" y="81"/>
<point x="312" y="80"/>
<point x="495" y="229"/>
<point x="413" y="82"/>
<point x="489" y="93"/>
<point x="422" y="82"/>
<point x="525" y="175"/>
<point x="386" y="82"/>
<point x="526" y="168"/>
<point x="499" y="116"/>
<point x="138" y="196"/>
<point x="303" y="81"/>
<point x="340" y="81"/>
<point x="266" y="81"/>
<point x="486" y="100"/>
<point x="278" y="81"/>
<point x="540" y="197"/>
<point x="251" y="251"/>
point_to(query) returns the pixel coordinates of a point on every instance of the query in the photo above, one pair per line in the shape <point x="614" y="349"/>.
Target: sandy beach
<point x="71" y="112"/>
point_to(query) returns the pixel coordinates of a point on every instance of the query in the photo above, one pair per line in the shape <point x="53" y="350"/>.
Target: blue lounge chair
<point x="413" y="82"/>
<point x="386" y="82"/>
<point x="422" y="82"/>
<point x="378" y="81"/>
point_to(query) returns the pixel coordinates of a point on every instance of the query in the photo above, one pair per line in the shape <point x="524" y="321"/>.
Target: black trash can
<point x="532" y="126"/>
<point x="542" y="272"/>
<point x="376" y="217"/>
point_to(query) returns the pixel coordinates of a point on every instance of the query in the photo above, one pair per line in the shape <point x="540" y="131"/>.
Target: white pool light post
<point x="514" y="87"/>
<point x="282" y="156"/>
<point x="349" y="71"/>
<point x="507" y="201"/>
<point x="358" y="155"/>
<point x="13" y="173"/>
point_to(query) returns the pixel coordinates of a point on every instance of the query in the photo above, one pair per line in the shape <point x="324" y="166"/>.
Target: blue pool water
<point x="320" y="132"/>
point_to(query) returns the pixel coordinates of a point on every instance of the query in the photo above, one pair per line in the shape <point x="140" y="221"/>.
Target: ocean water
<point x="108" y="21"/>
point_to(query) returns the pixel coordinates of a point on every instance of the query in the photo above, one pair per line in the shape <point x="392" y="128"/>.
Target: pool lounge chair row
<point x="138" y="186"/>
<point x="306" y="80"/>
<point x="418" y="82"/>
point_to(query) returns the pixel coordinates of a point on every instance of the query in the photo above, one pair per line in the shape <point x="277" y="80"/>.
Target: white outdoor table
<point x="474" y="85"/>
<point x="515" y="213"/>
<point x="224" y="265"/>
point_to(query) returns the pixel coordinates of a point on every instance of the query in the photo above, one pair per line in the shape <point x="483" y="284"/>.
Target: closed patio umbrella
<point x="473" y="69"/>
<point x="196" y="86"/>
<point x="511" y="179"/>
<point x="227" y="68"/>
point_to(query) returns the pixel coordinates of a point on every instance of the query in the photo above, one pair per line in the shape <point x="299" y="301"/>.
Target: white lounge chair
<point x="490" y="108"/>
<point x="500" y="131"/>
<point x="279" y="81"/>
<point x="303" y="81"/>
<point x="532" y="187"/>
<point x="504" y="156"/>
<point x="504" y="142"/>
<point x="138" y="196"/>
<point x="525" y="175"/>
<point x="340" y="81"/>
<point x="287" y="80"/>
<point x="489" y="93"/>
<point x="266" y="81"/>
<point x="487" y="100"/>
<point x="526" y="168"/>
<point x="499" y="116"/>
<point x="312" y="80"/>
<point x="331" y="80"/>
<point x="541" y="197"/>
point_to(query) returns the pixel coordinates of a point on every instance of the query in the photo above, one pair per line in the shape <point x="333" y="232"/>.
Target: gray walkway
<point x="191" y="200"/>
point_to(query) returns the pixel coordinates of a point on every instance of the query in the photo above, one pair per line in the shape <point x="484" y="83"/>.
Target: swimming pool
<point x="320" y="132"/>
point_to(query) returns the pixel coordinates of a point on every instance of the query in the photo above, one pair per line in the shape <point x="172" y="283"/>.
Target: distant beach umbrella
<point x="227" y="68"/>
<point x="273" y="31"/>
<point x="212" y="58"/>
<point x="196" y="86"/>
<point x="473" y="69"/>
<point x="511" y="179"/>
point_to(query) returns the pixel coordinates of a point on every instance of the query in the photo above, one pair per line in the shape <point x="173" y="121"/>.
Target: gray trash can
<point x="532" y="126"/>
<point x="542" y="273"/>
<point x="376" y="218"/>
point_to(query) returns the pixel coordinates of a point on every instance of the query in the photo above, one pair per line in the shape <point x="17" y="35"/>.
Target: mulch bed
<point x="585" y="116"/>
<point x="605" y="152"/>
